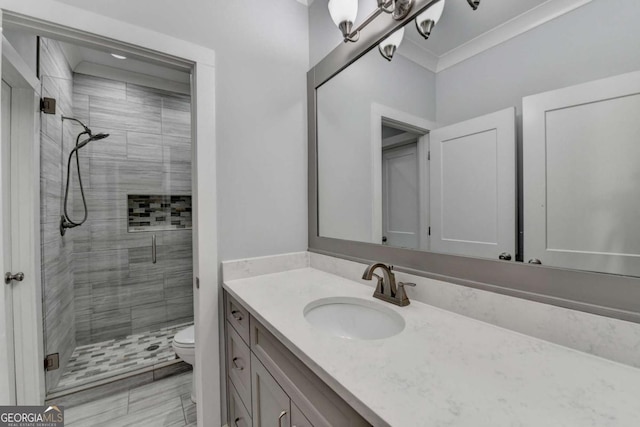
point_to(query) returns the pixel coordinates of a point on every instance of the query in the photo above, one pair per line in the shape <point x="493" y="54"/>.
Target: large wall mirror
<point x="512" y="132"/>
<point x="508" y="139"/>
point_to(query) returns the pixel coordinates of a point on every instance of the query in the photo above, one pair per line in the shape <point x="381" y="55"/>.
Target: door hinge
<point x="428" y="155"/>
<point x="429" y="232"/>
<point x="52" y="362"/>
<point x="48" y="105"/>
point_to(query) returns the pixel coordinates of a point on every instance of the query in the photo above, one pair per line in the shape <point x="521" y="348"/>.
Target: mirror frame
<point x="604" y="294"/>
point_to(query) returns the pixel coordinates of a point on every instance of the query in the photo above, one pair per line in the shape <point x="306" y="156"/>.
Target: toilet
<point x="185" y="347"/>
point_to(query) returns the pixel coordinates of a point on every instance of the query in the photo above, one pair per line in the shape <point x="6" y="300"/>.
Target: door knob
<point x="18" y="277"/>
<point x="534" y="261"/>
<point x="505" y="256"/>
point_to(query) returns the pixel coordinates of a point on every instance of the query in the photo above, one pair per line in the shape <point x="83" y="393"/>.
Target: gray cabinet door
<point x="297" y="417"/>
<point x="271" y="405"/>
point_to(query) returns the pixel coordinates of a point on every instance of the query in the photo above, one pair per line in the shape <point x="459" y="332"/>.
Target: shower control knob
<point x="18" y="277"/>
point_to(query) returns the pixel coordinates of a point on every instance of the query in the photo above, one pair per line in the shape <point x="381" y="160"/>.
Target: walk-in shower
<point x="65" y="219"/>
<point x="109" y="311"/>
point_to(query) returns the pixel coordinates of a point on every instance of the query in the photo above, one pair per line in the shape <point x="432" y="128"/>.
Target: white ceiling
<point x="80" y="57"/>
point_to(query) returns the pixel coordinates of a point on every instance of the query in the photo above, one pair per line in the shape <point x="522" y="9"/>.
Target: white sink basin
<point x="354" y="318"/>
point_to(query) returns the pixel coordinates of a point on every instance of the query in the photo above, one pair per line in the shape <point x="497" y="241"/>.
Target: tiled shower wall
<point x="57" y="251"/>
<point x="118" y="290"/>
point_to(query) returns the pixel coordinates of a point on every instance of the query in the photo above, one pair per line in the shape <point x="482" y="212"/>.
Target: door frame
<point x="26" y="296"/>
<point x="380" y="113"/>
<point x="71" y="24"/>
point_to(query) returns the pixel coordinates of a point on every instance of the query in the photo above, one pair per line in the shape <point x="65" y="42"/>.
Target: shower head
<point x="91" y="138"/>
<point x="99" y="136"/>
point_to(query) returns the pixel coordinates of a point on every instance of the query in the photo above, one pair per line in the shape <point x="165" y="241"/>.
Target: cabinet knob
<point x="236" y="315"/>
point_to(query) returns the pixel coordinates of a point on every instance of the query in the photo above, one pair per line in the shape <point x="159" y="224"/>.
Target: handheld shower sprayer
<point x="65" y="219"/>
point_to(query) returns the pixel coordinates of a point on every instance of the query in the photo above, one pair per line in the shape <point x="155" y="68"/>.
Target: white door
<point x="473" y="186"/>
<point x="7" y="371"/>
<point x="581" y="171"/>
<point x="400" y="197"/>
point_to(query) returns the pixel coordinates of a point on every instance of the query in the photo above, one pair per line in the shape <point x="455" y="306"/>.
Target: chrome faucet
<point x="386" y="288"/>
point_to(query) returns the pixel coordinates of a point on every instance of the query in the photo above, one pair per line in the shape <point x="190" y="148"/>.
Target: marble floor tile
<point x="86" y="414"/>
<point x="161" y="403"/>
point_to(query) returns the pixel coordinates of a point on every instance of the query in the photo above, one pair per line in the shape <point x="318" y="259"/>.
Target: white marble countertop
<point x="443" y="369"/>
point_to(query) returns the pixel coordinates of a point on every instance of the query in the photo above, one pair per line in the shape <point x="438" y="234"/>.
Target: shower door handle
<point x="153" y="249"/>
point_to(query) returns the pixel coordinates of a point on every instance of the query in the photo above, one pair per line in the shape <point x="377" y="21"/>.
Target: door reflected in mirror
<point x="510" y="133"/>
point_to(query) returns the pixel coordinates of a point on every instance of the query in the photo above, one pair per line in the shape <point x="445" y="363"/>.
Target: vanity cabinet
<point x="270" y="386"/>
<point x="271" y="405"/>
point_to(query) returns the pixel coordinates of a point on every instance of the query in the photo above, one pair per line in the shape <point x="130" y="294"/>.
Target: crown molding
<point x="415" y="53"/>
<point x="520" y="24"/>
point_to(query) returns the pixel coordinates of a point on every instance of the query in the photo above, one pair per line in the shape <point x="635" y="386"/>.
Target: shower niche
<point x="158" y="212"/>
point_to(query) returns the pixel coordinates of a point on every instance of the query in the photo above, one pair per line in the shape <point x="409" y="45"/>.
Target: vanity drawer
<point x="238" y="317"/>
<point x="238" y="414"/>
<point x="321" y="406"/>
<point x="239" y="365"/>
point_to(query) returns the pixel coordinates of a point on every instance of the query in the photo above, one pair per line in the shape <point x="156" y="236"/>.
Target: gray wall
<point x="118" y="290"/>
<point x="595" y="41"/>
<point x="345" y="182"/>
<point x="262" y="56"/>
<point x="57" y="252"/>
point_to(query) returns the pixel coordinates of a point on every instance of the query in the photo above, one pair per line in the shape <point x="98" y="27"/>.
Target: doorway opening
<point x="401" y="187"/>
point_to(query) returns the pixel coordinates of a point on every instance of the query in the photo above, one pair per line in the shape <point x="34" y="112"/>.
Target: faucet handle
<point x="401" y="296"/>
<point x="413" y="285"/>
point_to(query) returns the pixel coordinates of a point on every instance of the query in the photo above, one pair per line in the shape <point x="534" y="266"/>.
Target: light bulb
<point x="343" y="11"/>
<point x="433" y="13"/>
<point x="394" y="39"/>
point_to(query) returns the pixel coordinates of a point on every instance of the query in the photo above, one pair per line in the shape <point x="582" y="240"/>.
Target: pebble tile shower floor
<point x="95" y="362"/>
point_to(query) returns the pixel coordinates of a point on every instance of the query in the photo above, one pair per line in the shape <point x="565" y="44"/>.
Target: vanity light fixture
<point x="389" y="45"/>
<point x="115" y="55"/>
<point x="474" y="4"/>
<point x="429" y="18"/>
<point x="344" y="12"/>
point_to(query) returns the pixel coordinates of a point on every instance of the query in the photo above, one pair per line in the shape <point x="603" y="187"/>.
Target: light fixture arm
<point x="386" y="6"/>
<point x="349" y="36"/>
<point x="399" y="9"/>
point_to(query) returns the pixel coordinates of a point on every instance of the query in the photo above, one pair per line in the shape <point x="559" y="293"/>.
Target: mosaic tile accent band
<point x="159" y="212"/>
